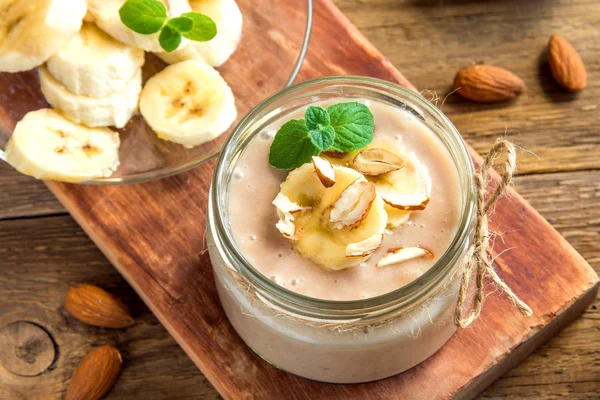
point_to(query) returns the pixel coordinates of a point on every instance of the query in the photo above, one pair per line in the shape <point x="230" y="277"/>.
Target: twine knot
<point x="477" y="260"/>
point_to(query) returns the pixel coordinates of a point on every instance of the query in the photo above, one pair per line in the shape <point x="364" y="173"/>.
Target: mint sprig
<point x="342" y="127"/>
<point x="291" y="146"/>
<point x="150" y="16"/>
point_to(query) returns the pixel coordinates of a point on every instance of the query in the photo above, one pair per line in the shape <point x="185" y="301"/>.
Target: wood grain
<point x="182" y="295"/>
<point x="568" y="365"/>
<point x="155" y="366"/>
<point x="22" y="196"/>
<point x="430" y="40"/>
<point x="41" y="259"/>
<point x="27" y="349"/>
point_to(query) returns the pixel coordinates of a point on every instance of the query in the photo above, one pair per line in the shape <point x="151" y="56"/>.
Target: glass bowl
<point x="274" y="41"/>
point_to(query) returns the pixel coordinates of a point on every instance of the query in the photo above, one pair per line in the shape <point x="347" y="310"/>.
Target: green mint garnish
<point x="203" y="28"/>
<point x="150" y="16"/>
<point x="353" y="124"/>
<point x="181" y="24"/>
<point x="143" y="16"/>
<point x="320" y="131"/>
<point x="169" y="38"/>
<point x="322" y="138"/>
<point x="316" y="117"/>
<point x="341" y="127"/>
<point x="291" y="146"/>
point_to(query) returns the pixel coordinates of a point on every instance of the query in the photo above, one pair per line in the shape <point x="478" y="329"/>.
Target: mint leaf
<point x="322" y="137"/>
<point x="181" y="24"/>
<point x="204" y="28"/>
<point x="169" y="39"/>
<point x="320" y="132"/>
<point x="316" y="117"/>
<point x="291" y="146"/>
<point x="143" y="16"/>
<point x="353" y="124"/>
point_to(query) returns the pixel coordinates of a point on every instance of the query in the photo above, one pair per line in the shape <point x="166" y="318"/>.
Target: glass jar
<point x="338" y="341"/>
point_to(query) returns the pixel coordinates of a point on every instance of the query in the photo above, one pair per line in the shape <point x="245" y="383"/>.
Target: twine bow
<point x="477" y="259"/>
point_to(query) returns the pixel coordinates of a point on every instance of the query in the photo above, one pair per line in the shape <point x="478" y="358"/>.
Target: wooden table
<point x="43" y="251"/>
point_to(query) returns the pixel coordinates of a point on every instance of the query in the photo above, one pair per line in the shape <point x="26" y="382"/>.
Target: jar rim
<point x="430" y="280"/>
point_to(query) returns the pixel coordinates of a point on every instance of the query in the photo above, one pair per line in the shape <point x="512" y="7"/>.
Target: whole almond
<point x="96" y="374"/>
<point x="486" y="84"/>
<point x="95" y="306"/>
<point x="566" y="64"/>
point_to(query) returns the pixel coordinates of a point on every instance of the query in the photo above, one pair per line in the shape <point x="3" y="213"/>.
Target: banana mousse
<point x="345" y="200"/>
<point x="340" y="212"/>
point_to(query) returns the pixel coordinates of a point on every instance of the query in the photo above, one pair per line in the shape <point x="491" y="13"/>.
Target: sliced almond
<point x="353" y="205"/>
<point x="407" y="202"/>
<point x="364" y="248"/>
<point x="334" y="154"/>
<point x="400" y="255"/>
<point x="377" y="161"/>
<point x="285" y="205"/>
<point x="285" y="225"/>
<point x="324" y="171"/>
<point x="285" y="210"/>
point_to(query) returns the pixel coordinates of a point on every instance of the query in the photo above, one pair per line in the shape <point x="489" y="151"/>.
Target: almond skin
<point x="566" y="64"/>
<point x="96" y="374"/>
<point x="95" y="306"/>
<point x="375" y="161"/>
<point x="324" y="171"/>
<point x="487" y="84"/>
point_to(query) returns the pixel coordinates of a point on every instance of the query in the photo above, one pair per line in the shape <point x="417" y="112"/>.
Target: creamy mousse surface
<point x="252" y="216"/>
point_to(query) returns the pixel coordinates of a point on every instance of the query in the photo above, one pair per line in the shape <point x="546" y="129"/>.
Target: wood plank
<point x="23" y="196"/>
<point x="163" y="277"/>
<point x="430" y="40"/>
<point x="56" y="253"/>
<point x="421" y="39"/>
<point x="571" y="203"/>
<point x="568" y="366"/>
<point x="53" y="254"/>
<point x="183" y="296"/>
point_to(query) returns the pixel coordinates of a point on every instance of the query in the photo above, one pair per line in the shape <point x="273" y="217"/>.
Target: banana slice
<point x="106" y="15"/>
<point x="113" y="110"/>
<point x="88" y="17"/>
<point x="215" y="52"/>
<point x="94" y="64"/>
<point x="404" y="180"/>
<point x="188" y="103"/>
<point x="45" y="145"/>
<point x="31" y="31"/>
<point x="336" y="227"/>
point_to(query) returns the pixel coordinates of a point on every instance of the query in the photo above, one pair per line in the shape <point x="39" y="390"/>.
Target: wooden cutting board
<point x="154" y="235"/>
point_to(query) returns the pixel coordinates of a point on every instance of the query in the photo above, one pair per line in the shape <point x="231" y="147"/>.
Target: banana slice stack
<point x="31" y="31"/>
<point x="337" y="209"/>
<point x="90" y="71"/>
<point x="95" y="80"/>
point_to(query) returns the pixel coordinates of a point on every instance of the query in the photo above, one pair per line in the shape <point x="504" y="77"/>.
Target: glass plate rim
<point x="153" y="175"/>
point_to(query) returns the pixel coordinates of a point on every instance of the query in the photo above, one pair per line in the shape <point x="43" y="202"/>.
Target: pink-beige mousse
<point x="255" y="184"/>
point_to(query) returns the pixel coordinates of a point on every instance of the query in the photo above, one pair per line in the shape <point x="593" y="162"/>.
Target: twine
<point x="477" y="259"/>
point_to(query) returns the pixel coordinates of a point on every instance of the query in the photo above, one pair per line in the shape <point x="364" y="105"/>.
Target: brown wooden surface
<point x="45" y="255"/>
